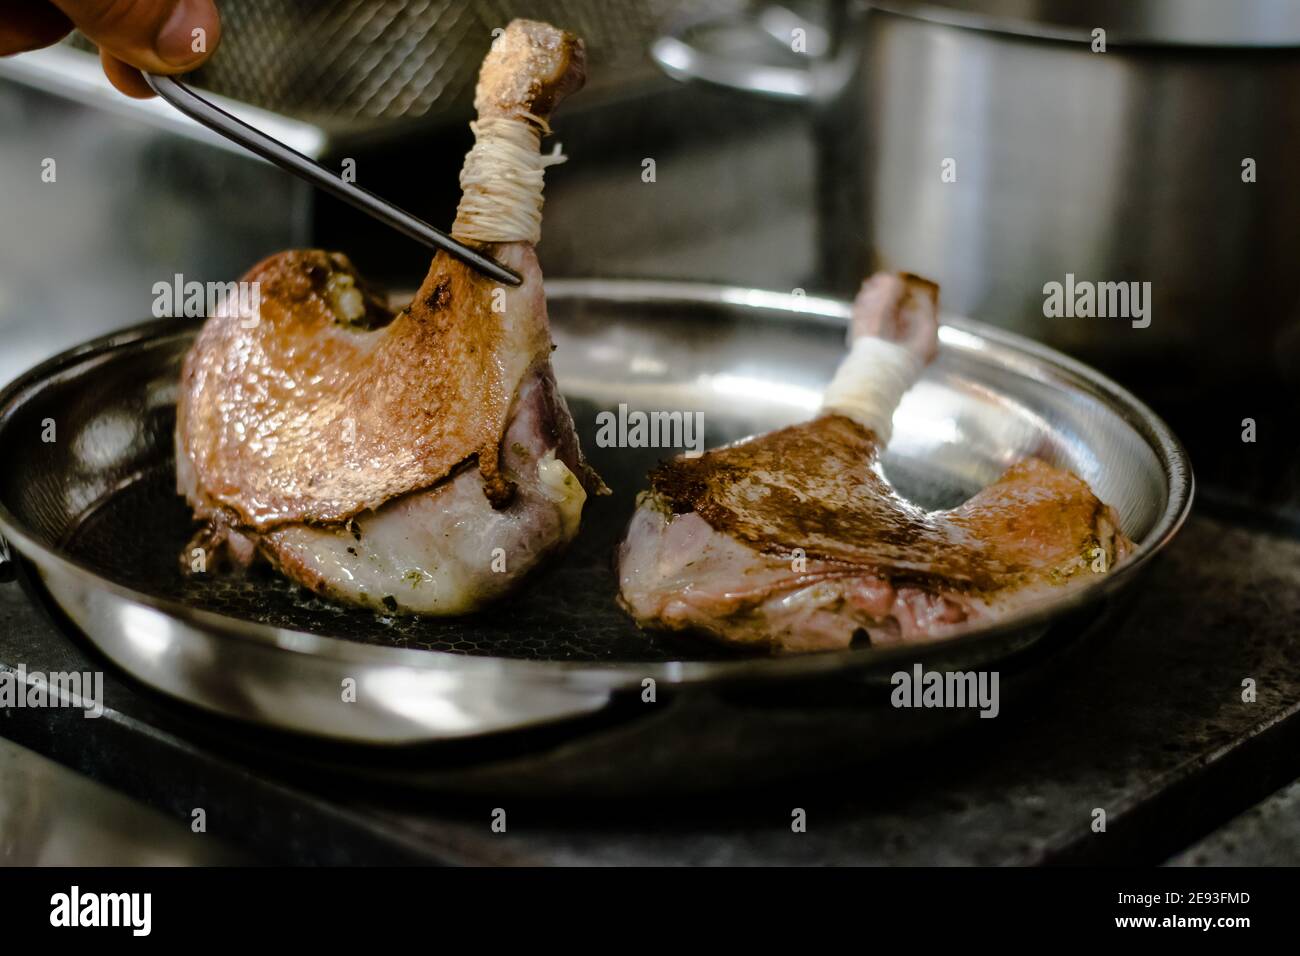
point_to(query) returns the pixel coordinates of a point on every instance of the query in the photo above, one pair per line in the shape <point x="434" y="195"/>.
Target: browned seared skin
<point x="795" y="541"/>
<point x="312" y="416"/>
<point x="307" y="418"/>
<point x="817" y="487"/>
<point x="813" y="486"/>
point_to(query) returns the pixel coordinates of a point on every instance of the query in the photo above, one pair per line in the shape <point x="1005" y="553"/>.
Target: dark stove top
<point x="1255" y="482"/>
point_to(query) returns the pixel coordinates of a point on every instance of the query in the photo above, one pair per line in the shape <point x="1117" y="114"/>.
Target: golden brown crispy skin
<point x="816" y="486"/>
<point x="1037" y="517"/>
<point x="312" y="417"/>
<point x="308" y="418"/>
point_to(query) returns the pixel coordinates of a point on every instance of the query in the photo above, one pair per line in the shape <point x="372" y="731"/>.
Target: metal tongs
<point x="219" y="121"/>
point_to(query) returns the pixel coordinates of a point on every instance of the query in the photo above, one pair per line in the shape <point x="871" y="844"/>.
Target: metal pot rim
<point x="1263" y="24"/>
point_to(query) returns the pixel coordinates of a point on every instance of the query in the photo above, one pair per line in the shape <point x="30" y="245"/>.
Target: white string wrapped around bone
<point x="870" y="383"/>
<point x="502" y="178"/>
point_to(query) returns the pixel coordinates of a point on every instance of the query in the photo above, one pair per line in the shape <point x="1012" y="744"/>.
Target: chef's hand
<point x="161" y="36"/>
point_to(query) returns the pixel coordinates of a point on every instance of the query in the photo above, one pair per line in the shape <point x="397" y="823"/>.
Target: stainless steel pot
<point x="1123" y="165"/>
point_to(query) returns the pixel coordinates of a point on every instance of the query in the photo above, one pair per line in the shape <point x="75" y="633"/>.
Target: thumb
<point x="159" y="36"/>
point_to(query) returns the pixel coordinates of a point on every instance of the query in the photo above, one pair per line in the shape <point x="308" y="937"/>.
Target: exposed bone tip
<point x="899" y="307"/>
<point x="530" y="68"/>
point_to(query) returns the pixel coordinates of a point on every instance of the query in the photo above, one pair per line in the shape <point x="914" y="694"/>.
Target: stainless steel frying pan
<point x="95" y="514"/>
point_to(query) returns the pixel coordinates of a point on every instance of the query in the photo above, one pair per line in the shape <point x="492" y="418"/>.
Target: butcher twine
<point x="501" y="181"/>
<point x="870" y="383"/>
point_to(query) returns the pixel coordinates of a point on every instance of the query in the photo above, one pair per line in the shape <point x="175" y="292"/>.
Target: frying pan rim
<point x="1030" y="358"/>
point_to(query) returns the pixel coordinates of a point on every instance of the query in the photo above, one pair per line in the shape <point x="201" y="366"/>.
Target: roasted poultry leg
<point x="795" y="541"/>
<point x="419" y="462"/>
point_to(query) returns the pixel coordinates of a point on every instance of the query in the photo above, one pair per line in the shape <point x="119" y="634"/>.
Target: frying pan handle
<point x="681" y="57"/>
<point x="8" y="567"/>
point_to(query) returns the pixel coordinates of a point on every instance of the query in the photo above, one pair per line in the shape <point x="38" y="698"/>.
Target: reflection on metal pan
<point x="95" y="513"/>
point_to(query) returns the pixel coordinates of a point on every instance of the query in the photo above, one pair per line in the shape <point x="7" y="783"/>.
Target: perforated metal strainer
<point x="361" y="65"/>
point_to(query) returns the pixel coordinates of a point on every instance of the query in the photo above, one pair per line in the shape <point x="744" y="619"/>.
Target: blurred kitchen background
<point x="794" y="145"/>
